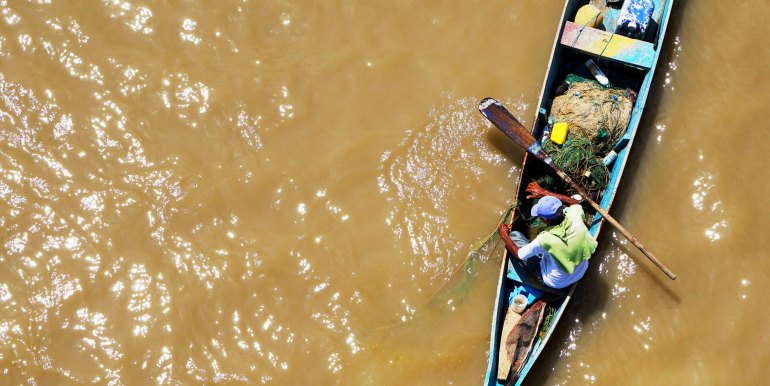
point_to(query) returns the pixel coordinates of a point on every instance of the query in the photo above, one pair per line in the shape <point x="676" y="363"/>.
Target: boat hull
<point x="639" y="80"/>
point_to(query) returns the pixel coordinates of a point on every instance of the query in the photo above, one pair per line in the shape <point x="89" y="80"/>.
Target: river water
<point x="246" y="192"/>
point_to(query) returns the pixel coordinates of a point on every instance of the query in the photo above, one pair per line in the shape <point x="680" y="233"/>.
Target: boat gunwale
<point x="491" y="378"/>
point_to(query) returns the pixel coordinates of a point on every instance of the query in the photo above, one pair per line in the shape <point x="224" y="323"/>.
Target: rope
<point x="572" y="45"/>
<point x="599" y="58"/>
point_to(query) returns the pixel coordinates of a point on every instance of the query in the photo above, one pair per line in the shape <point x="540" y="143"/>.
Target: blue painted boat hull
<point x="562" y="61"/>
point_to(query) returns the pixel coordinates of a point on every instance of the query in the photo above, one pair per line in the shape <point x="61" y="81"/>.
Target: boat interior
<point x="626" y="63"/>
<point x="570" y="59"/>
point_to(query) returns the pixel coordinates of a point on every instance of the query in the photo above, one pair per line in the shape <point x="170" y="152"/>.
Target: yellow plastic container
<point x="559" y="133"/>
<point x="588" y="15"/>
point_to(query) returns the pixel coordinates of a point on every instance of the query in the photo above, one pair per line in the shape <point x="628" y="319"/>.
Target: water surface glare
<point x="247" y="192"/>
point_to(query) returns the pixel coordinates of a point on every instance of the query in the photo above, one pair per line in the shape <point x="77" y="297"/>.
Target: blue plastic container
<point x="635" y="18"/>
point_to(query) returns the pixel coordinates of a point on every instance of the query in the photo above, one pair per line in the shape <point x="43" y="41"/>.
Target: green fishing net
<point x="577" y="158"/>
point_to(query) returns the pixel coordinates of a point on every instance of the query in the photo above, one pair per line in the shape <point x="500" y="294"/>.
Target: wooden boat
<point x="628" y="64"/>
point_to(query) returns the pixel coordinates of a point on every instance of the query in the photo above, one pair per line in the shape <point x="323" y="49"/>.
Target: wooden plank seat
<point x="617" y="48"/>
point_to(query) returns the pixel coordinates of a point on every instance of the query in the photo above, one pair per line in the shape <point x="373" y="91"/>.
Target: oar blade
<point x="510" y="126"/>
<point x="506" y="122"/>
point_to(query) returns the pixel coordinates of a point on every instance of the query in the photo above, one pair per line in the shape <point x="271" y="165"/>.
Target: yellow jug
<point x="588" y="15"/>
<point x="559" y="134"/>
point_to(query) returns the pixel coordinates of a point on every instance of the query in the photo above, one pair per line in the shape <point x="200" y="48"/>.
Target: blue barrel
<point x="634" y="18"/>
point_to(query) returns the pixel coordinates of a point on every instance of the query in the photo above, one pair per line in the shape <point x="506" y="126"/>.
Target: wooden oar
<point x="504" y="120"/>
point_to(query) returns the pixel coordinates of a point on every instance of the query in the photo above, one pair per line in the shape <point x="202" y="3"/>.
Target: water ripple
<point x="435" y="164"/>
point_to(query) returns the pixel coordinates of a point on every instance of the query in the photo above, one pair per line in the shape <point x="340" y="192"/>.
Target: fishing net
<point x="489" y="248"/>
<point x="597" y="118"/>
<point x="598" y="113"/>
<point x="578" y="159"/>
<point x="536" y="225"/>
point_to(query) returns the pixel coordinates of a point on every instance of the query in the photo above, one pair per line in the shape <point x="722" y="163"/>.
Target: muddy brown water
<point x="246" y="192"/>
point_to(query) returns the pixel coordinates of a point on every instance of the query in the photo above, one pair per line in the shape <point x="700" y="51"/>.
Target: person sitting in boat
<point x="559" y="255"/>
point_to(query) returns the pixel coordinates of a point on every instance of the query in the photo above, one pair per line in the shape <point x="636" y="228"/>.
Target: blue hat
<point x="547" y="207"/>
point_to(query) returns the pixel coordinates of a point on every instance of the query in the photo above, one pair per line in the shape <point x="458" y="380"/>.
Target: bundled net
<point x="578" y="159"/>
<point x="597" y="118"/>
<point x="597" y="113"/>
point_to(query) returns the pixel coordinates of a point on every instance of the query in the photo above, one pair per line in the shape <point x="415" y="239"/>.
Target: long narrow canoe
<point x="629" y="64"/>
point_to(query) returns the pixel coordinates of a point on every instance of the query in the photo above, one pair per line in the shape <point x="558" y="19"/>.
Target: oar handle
<point x="508" y="124"/>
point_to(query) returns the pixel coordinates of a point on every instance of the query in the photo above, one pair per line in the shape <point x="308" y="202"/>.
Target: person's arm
<point x="523" y="253"/>
<point x="536" y="191"/>
<point x="503" y="230"/>
<point x="531" y="249"/>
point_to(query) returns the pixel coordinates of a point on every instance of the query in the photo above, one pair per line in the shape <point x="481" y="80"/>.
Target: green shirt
<point x="569" y="243"/>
